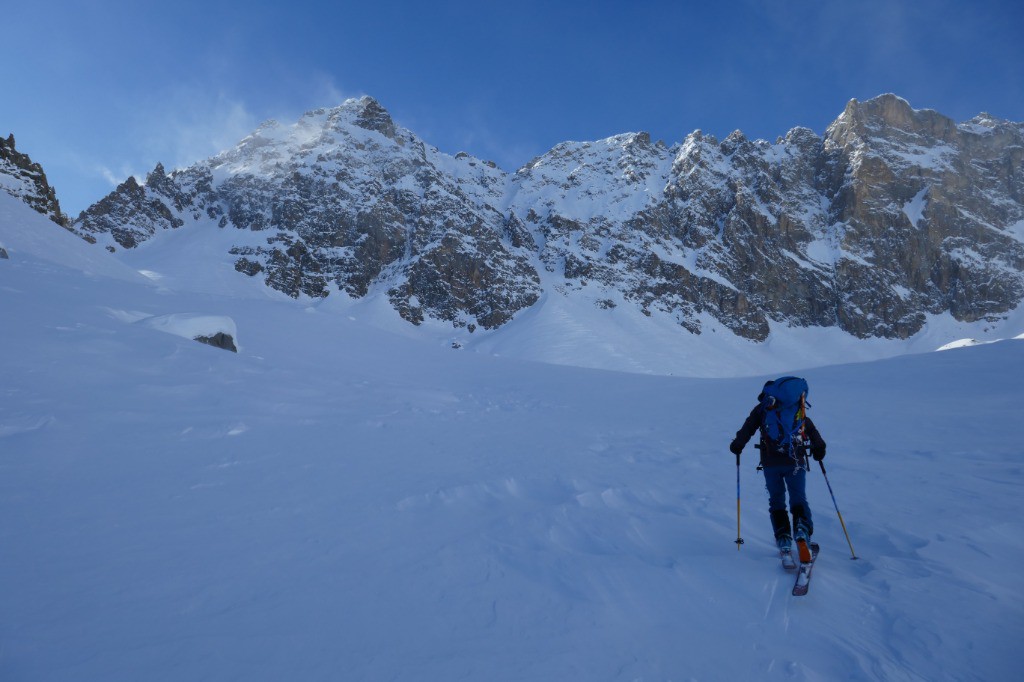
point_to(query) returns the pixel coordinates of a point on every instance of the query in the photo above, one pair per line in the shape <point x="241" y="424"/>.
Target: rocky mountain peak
<point x="372" y="116"/>
<point x="803" y="138"/>
<point x="156" y="176"/>
<point x="318" y="134"/>
<point x="23" y="178"/>
<point x="888" y="112"/>
<point x="363" y="112"/>
<point x="733" y="142"/>
<point x="692" y="152"/>
<point x="987" y="120"/>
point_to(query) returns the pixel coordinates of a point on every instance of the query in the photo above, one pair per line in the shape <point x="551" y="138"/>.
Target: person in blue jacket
<point x="785" y="468"/>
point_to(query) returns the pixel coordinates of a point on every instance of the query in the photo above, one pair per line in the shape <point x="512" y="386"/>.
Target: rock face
<point x="933" y="209"/>
<point x="892" y="215"/>
<point x="22" y="178"/>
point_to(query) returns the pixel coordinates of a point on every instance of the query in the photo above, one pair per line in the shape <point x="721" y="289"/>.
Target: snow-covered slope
<point x="338" y="502"/>
<point x="28" y="235"/>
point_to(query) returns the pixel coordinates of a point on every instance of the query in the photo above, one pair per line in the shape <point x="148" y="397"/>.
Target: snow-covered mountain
<point x="897" y="231"/>
<point x="344" y="200"/>
<point x="339" y="502"/>
<point x="892" y="217"/>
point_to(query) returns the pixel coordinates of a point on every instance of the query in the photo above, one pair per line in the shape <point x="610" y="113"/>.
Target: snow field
<point x="337" y="502"/>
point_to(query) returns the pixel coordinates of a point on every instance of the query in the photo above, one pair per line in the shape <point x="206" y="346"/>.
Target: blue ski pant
<point x="779" y="479"/>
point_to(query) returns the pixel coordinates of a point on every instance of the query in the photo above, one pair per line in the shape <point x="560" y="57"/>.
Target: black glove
<point x="735" y="447"/>
<point x="818" y="453"/>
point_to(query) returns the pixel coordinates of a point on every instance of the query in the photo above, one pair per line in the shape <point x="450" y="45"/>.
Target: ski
<point x="788" y="562"/>
<point x="803" y="575"/>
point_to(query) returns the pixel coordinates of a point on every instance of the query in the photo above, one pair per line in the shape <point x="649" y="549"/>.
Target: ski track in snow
<point x="338" y="502"/>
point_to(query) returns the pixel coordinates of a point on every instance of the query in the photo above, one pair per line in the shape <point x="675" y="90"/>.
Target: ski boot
<point x="785" y="545"/>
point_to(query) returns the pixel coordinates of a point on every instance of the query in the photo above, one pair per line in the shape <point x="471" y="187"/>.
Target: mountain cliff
<point x="892" y="215"/>
<point x="22" y="178"/>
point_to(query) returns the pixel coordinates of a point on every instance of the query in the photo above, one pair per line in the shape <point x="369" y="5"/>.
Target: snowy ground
<point x="337" y="502"/>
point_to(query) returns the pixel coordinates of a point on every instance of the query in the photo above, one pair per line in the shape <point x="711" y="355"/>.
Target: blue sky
<point x="98" y="91"/>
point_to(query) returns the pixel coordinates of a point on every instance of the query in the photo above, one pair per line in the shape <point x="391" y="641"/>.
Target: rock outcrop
<point x="25" y="179"/>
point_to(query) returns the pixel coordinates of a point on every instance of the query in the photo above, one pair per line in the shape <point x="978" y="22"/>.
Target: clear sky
<point x="97" y="91"/>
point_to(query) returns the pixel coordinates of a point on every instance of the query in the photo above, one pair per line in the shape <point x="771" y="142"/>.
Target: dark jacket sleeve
<point x="812" y="433"/>
<point x="750" y="426"/>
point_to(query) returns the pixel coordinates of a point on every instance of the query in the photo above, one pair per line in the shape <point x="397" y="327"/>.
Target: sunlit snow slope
<point x="335" y="502"/>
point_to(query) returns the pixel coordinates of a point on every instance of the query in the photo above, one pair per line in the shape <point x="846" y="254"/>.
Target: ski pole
<point x="853" y="555"/>
<point x="739" y="538"/>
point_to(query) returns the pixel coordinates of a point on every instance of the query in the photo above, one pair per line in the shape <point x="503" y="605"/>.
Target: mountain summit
<point x="892" y="216"/>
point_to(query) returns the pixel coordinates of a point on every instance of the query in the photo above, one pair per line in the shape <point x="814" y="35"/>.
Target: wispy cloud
<point x="110" y="176"/>
<point x="191" y="124"/>
<point x="325" y="90"/>
<point x="185" y="124"/>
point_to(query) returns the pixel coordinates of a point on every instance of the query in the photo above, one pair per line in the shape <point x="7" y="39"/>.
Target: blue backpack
<point x="785" y="402"/>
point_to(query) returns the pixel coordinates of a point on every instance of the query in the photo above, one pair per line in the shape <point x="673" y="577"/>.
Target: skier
<point x="784" y="461"/>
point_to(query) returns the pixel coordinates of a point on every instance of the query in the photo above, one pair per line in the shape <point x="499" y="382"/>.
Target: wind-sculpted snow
<point x="892" y="217"/>
<point x="338" y="502"/>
